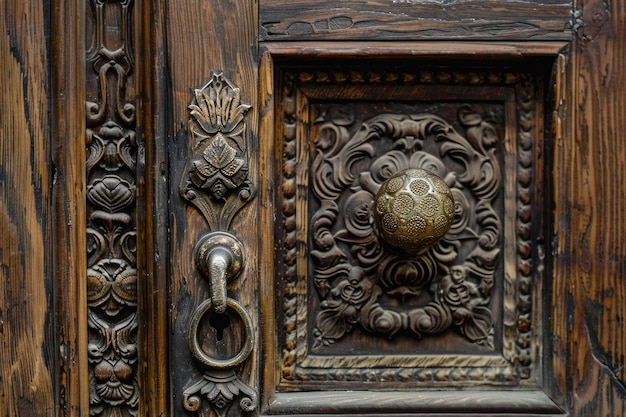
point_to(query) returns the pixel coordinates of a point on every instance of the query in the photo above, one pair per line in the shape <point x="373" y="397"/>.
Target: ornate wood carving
<point x="217" y="175"/>
<point x="352" y="268"/>
<point x="111" y="229"/>
<point x="458" y="314"/>
<point x="215" y="181"/>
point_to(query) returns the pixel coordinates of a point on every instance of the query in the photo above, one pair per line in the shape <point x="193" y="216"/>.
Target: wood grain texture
<point x="203" y="37"/>
<point x="152" y="224"/>
<point x="69" y="240"/>
<point x="412" y="20"/>
<point x="363" y="403"/>
<point x="590" y="215"/>
<point x="26" y="339"/>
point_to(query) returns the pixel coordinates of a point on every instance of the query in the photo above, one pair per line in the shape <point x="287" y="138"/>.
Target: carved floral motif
<point x="363" y="287"/>
<point x="216" y="182"/>
<point x="111" y="168"/>
<point x="352" y="276"/>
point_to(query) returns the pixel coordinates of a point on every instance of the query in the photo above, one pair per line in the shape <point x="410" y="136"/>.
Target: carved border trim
<point x="111" y="169"/>
<point x="517" y="352"/>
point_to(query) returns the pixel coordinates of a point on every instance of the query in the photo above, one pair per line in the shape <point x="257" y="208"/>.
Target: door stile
<point x="68" y="126"/>
<point x="589" y="213"/>
<point x="211" y="47"/>
<point x="152" y="209"/>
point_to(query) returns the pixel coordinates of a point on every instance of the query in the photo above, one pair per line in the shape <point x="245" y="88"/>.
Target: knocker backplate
<point x="352" y="309"/>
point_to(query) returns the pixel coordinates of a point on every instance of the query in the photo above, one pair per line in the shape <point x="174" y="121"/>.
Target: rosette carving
<point x="354" y="274"/>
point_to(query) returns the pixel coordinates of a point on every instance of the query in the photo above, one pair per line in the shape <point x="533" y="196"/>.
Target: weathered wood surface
<point x="27" y="346"/>
<point x="203" y="37"/>
<point x="589" y="253"/>
<point x="68" y="244"/>
<point x="152" y="221"/>
<point x="411" y="20"/>
<point x="42" y="236"/>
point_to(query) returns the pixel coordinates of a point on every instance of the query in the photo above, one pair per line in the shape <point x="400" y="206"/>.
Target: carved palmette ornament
<point x="216" y="182"/>
<point x="217" y="173"/>
<point x="353" y="269"/>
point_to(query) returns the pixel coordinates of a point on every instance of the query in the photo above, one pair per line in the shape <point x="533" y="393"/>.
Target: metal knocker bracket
<point x="216" y="183"/>
<point x="219" y="257"/>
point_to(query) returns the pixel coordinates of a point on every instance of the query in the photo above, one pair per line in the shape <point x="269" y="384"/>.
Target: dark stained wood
<point x="349" y="74"/>
<point x="203" y="37"/>
<point x="43" y="214"/>
<point x="152" y="224"/>
<point x="411" y="20"/>
<point x="590" y="215"/>
<point x="439" y="50"/>
<point x="69" y="243"/>
<point x="27" y="343"/>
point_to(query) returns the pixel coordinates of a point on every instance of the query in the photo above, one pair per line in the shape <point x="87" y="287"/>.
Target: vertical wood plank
<point x="69" y="242"/>
<point x="26" y="339"/>
<point x="203" y="37"/>
<point x="590" y="222"/>
<point x="152" y="199"/>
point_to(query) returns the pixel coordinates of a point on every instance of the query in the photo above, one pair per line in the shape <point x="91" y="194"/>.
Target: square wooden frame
<point x="281" y="394"/>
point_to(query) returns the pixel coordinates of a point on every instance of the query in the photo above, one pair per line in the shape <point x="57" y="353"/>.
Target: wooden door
<point x="242" y="208"/>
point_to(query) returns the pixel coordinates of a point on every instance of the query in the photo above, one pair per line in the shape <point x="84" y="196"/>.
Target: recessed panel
<point x="374" y="156"/>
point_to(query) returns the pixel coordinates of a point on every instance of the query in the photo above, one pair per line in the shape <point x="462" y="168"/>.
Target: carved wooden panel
<point x="410" y="19"/>
<point x="352" y="312"/>
<point x="111" y="169"/>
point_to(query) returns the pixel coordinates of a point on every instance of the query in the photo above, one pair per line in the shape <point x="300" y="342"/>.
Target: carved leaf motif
<point x="219" y="164"/>
<point x="111" y="193"/>
<point x="477" y="326"/>
<point x="219" y="392"/>
<point x="218" y="107"/>
<point x="463" y="305"/>
<point x="217" y="174"/>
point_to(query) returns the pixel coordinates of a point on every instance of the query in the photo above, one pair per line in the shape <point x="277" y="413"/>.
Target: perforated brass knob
<point x="413" y="210"/>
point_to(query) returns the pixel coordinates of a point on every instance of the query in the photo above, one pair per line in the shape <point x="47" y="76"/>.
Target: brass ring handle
<point x="194" y="345"/>
<point x="413" y="210"/>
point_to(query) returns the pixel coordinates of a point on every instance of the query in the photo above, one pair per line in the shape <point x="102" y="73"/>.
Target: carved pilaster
<point x="111" y="168"/>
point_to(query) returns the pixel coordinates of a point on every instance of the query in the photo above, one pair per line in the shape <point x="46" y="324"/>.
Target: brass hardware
<point x="413" y="210"/>
<point x="216" y="183"/>
<point x="248" y="340"/>
<point x="219" y="257"/>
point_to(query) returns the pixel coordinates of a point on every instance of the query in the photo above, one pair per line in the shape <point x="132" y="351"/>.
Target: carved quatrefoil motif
<point x="355" y="275"/>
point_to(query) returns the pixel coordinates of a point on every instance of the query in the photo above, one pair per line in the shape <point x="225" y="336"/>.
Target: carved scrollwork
<point x="111" y="166"/>
<point x="342" y="287"/>
<point x="353" y="270"/>
<point x="222" y="390"/>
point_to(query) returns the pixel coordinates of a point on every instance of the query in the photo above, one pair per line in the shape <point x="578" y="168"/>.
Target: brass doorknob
<point x="413" y="210"/>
